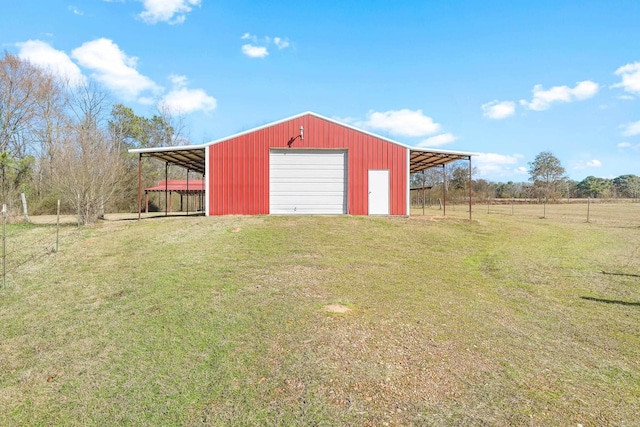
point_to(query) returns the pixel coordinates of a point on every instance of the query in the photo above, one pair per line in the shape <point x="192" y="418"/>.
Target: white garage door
<point x="307" y="182"/>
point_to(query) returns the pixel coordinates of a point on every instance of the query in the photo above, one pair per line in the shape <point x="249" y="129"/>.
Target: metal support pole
<point x="444" y="191"/>
<point x="166" y="188"/>
<point x="139" y="186"/>
<point x="470" y="185"/>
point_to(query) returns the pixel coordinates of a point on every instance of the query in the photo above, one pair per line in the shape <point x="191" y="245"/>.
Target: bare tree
<point x="170" y="126"/>
<point x="60" y="140"/>
<point x="24" y="91"/>
<point x="87" y="163"/>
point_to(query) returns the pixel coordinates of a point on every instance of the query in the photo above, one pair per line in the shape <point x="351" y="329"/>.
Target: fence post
<point x="24" y="207"/>
<point x="58" y="226"/>
<point x="4" y="246"/>
<point x="588" y="206"/>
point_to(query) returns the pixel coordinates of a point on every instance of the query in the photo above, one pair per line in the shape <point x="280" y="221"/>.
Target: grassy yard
<point x="507" y="320"/>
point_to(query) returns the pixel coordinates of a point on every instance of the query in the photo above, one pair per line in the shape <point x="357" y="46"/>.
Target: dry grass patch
<point x="337" y="308"/>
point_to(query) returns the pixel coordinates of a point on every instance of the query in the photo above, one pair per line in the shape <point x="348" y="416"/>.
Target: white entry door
<point x="378" y="192"/>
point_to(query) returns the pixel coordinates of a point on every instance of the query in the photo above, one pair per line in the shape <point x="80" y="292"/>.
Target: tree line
<point x="547" y="182"/>
<point x="63" y="140"/>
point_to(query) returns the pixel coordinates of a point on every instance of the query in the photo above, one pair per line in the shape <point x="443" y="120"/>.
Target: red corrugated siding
<point x="239" y="167"/>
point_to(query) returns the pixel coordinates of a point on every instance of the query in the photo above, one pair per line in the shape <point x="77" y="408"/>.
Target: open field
<point x="507" y="320"/>
<point x="623" y="214"/>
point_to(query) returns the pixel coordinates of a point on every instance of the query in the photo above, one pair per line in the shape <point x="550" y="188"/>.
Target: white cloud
<point x="435" y="141"/>
<point x="147" y="100"/>
<point x="631" y="129"/>
<point x="499" y="164"/>
<point x="254" y="51"/>
<point x="181" y="100"/>
<point x="113" y="68"/>
<point x="248" y="36"/>
<point x="170" y="11"/>
<point x="630" y="74"/>
<point x="498" y="110"/>
<point x="185" y="101"/>
<point x="402" y="122"/>
<point x="41" y="54"/>
<point x="626" y="97"/>
<point x="75" y="10"/>
<point x="280" y="43"/>
<point x="542" y="99"/>
<point x="588" y="164"/>
<point x="625" y="145"/>
<point x="585" y="90"/>
<point x="178" y="80"/>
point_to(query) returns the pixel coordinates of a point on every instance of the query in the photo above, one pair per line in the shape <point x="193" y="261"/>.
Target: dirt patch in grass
<point x="337" y="308"/>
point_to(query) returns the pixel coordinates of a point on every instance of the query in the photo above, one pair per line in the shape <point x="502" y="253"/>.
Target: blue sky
<point x="506" y="79"/>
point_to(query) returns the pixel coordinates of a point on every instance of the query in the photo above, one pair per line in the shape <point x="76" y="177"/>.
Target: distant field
<point x="507" y="320"/>
<point x="602" y="213"/>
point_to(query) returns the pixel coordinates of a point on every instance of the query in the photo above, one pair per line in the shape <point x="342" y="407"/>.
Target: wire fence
<point x="606" y="213"/>
<point x="26" y="242"/>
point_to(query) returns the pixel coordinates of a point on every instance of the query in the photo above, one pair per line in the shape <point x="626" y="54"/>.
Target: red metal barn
<point x="305" y="164"/>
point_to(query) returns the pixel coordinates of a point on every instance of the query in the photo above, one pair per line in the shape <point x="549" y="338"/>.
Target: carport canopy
<point x="192" y="157"/>
<point x="426" y="158"/>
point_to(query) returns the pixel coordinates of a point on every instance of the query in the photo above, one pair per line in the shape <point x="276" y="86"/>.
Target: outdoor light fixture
<point x="293" y="138"/>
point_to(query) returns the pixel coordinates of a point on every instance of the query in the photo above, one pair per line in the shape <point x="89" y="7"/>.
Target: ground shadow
<point x="134" y="217"/>
<point x="611" y="301"/>
<point x="621" y="274"/>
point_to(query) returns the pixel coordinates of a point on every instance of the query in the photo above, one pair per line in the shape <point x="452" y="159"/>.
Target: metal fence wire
<point x="44" y="239"/>
<point x="619" y="213"/>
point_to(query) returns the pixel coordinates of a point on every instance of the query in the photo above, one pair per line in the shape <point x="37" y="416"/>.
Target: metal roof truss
<point x="421" y="160"/>
<point x="191" y="159"/>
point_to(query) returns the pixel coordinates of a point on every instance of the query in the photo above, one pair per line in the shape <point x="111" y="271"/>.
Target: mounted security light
<point x="293" y="138"/>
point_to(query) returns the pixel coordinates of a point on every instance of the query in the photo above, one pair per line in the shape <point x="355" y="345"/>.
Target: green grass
<point x="508" y="320"/>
